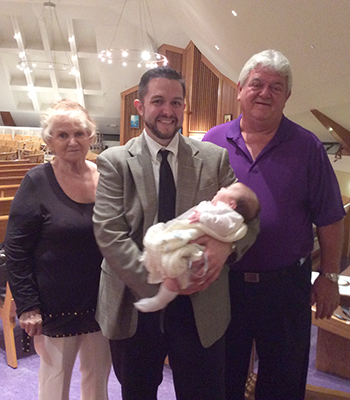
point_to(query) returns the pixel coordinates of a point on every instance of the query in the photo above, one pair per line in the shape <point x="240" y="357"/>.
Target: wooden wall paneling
<point x="128" y="109"/>
<point x="219" y="108"/>
<point x="175" y="60"/>
<point x="205" y="99"/>
<point x="122" y="119"/>
<point x="236" y="105"/>
<point x="131" y="110"/>
<point x="228" y="101"/>
<point x="187" y="73"/>
<point x="174" y="55"/>
<point x="196" y="89"/>
<point x="209" y="99"/>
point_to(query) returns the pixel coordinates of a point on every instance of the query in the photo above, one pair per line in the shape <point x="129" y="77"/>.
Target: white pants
<point x="57" y="358"/>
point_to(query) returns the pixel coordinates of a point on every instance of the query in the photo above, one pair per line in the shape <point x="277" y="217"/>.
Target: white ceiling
<point x="313" y="34"/>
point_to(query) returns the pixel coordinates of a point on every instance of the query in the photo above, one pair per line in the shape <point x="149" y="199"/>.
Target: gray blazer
<point x="126" y="206"/>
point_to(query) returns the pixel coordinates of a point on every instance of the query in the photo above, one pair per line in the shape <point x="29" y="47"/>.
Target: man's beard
<point x="157" y="133"/>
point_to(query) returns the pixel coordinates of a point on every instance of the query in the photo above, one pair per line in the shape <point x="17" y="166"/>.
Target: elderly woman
<point x="53" y="260"/>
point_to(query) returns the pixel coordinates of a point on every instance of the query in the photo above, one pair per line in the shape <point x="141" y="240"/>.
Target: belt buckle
<point x="251" y="277"/>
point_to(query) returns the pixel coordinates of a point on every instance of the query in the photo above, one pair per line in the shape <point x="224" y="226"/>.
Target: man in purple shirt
<point x="270" y="287"/>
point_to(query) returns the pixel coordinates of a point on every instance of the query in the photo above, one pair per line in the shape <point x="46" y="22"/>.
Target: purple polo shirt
<point x="296" y="186"/>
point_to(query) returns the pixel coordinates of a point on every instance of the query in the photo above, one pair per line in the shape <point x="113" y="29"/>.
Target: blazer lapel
<point x="188" y="175"/>
<point x="140" y="165"/>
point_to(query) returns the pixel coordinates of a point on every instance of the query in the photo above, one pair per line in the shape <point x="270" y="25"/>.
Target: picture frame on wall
<point x="227" y="117"/>
<point x="134" y="121"/>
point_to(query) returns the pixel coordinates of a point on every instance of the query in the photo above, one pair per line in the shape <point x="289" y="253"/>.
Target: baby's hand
<point x="194" y="217"/>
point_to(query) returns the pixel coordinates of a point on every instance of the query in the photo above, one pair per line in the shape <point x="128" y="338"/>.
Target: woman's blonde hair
<point x="77" y="114"/>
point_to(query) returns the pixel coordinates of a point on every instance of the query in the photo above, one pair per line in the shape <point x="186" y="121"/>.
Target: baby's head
<point x="240" y="198"/>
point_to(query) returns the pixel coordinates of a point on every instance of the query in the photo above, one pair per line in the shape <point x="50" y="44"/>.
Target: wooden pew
<point x="8" y="190"/>
<point x="5" y="204"/>
<point x="8" y="311"/>
<point x="14" y="172"/>
<point x="3" y="225"/>
<point x="8" y="155"/>
<point x="37" y="157"/>
<point x="14" y="162"/>
<point x="10" y="180"/>
<point x="18" y="165"/>
<point x="7" y="315"/>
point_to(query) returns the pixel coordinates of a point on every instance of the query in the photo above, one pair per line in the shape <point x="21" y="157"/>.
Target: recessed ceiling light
<point x="234" y="13"/>
<point x="217" y="47"/>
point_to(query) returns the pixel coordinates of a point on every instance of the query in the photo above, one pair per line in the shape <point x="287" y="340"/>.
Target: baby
<point x="168" y="252"/>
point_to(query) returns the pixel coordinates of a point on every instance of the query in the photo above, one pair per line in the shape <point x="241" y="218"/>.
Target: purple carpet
<point x="14" y="383"/>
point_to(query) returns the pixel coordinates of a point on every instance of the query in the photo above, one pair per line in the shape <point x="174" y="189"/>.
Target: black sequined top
<point x="52" y="257"/>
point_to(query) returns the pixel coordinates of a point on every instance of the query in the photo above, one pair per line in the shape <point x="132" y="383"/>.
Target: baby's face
<point x="224" y="195"/>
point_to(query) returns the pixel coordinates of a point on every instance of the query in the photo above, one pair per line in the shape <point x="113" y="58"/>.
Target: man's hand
<point x="216" y="253"/>
<point x="31" y="322"/>
<point x="326" y="296"/>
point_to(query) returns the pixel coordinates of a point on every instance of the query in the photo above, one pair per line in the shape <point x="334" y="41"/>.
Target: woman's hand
<point x="31" y="322"/>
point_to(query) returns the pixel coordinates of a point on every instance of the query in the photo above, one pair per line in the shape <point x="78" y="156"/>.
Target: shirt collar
<point x="234" y="130"/>
<point x="154" y="146"/>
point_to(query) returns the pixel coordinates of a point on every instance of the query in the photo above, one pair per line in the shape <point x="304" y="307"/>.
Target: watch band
<point x="331" y="276"/>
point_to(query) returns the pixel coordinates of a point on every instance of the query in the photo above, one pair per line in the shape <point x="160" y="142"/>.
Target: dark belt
<point x="267" y="276"/>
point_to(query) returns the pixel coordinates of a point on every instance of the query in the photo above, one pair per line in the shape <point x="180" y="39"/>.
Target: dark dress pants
<point x="277" y="315"/>
<point x="138" y="362"/>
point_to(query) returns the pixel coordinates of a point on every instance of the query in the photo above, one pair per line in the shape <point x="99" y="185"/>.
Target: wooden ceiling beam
<point x="7" y="118"/>
<point x="341" y="134"/>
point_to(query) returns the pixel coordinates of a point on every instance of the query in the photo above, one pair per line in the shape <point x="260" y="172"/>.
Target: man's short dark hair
<point x="160" y="72"/>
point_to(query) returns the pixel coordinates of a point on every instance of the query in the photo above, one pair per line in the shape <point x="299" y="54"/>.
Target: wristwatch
<point x="332" y="276"/>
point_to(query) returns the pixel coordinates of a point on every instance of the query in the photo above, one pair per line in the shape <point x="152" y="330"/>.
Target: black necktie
<point x="167" y="190"/>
